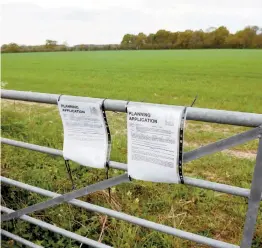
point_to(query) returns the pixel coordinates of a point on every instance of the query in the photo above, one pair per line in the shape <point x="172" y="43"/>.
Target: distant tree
<point x="128" y="39"/>
<point x="172" y="37"/>
<point x="82" y="47"/>
<point x="197" y="39"/>
<point x="151" y="38"/>
<point x="219" y="37"/>
<point x="161" y="38"/>
<point x="216" y="37"/>
<point x="10" y="48"/>
<point x="257" y="41"/>
<point x="241" y="39"/>
<point x="247" y="36"/>
<point x="184" y="39"/>
<point x="50" y="44"/>
<point x="140" y="40"/>
<point x="232" y="42"/>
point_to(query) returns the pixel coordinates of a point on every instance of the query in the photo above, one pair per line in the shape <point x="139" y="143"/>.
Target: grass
<point x="234" y="82"/>
<point x="223" y="79"/>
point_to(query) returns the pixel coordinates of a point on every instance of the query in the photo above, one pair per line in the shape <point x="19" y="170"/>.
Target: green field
<point x="223" y="79"/>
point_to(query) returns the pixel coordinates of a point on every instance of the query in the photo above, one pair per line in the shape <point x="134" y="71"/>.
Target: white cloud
<point x="102" y="21"/>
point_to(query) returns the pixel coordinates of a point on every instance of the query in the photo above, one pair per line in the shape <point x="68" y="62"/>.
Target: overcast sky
<point x="106" y="21"/>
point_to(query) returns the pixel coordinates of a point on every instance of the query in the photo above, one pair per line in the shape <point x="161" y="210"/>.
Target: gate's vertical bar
<point x="254" y="200"/>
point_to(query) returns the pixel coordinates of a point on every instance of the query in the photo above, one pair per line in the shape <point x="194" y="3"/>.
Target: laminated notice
<point x="153" y="142"/>
<point x="85" y="131"/>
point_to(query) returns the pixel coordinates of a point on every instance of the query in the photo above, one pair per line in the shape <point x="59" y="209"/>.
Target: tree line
<point x="249" y="37"/>
<point x="53" y="46"/>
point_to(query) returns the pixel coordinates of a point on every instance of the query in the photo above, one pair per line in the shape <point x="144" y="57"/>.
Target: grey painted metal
<point x="224" y="188"/>
<point x="115" y="105"/>
<point x="58" y="230"/>
<point x="118" y="165"/>
<point x="224" y="117"/>
<point x="50" y="151"/>
<point x="67" y="197"/>
<point x="19" y="239"/>
<point x="37" y="148"/>
<point x="30" y="96"/>
<point x="199" y="114"/>
<point x="123" y="216"/>
<point x="254" y="200"/>
<point x="222" y="144"/>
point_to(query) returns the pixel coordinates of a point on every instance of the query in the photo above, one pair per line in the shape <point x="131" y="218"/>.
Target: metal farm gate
<point x="253" y="195"/>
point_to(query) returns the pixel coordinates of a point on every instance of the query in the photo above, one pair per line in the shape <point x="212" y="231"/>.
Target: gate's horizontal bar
<point x="58" y="230"/>
<point x="125" y="217"/>
<point x="33" y="147"/>
<point x="222" y="144"/>
<point x="111" y="182"/>
<point x="198" y="114"/>
<point x="48" y="150"/>
<point x="19" y="239"/>
<point x="224" y="188"/>
<point x="188" y="156"/>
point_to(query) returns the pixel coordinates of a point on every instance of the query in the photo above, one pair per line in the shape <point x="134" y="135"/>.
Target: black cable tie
<point x="69" y="173"/>
<point x="192" y="104"/>
<point x="58" y="99"/>
<point x="107" y="177"/>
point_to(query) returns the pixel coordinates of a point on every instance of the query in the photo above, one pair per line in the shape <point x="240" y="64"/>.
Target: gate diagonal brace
<point x="222" y="144"/>
<point x="67" y="197"/>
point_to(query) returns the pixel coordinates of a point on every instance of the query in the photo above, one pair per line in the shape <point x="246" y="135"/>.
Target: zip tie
<point x="194" y="101"/>
<point x="69" y="173"/>
<point x="58" y="99"/>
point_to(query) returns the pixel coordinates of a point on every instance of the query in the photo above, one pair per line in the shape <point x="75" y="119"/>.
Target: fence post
<point x="254" y="200"/>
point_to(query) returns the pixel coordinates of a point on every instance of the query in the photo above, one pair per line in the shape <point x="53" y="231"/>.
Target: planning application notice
<point x="85" y="133"/>
<point x="153" y="142"/>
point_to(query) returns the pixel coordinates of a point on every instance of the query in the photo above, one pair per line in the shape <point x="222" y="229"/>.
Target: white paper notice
<point x="85" y="133"/>
<point x="153" y="142"/>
